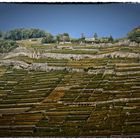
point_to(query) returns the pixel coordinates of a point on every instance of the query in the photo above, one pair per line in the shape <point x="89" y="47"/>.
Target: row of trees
<point x="105" y="39"/>
<point x="22" y="33"/>
<point x="18" y="34"/>
<point x="96" y="39"/>
<point x="49" y="38"/>
<point x="133" y="36"/>
<point x="8" y="39"/>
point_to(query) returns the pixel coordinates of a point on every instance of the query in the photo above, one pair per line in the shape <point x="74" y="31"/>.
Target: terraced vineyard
<point x="94" y="97"/>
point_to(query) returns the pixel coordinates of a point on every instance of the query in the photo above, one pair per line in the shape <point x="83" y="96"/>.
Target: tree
<point x="48" y="39"/>
<point x="63" y="37"/>
<point x="82" y="36"/>
<point x="59" y="38"/>
<point x="134" y="35"/>
<point x="82" y="39"/>
<point x="65" y="34"/>
<point x="95" y="35"/>
<point x="75" y="40"/>
<point x="1" y="34"/>
<point x="110" y="39"/>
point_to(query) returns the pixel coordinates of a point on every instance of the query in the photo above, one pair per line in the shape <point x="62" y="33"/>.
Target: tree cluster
<point x="7" y="46"/>
<point x="49" y="38"/>
<point x="75" y="40"/>
<point x="18" y="34"/>
<point x="63" y="37"/>
<point x="134" y="35"/>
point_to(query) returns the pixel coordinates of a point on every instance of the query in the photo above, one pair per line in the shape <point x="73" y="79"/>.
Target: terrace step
<point x="2" y="106"/>
<point x="100" y="102"/>
<point x="17" y="126"/>
<point x="14" y="110"/>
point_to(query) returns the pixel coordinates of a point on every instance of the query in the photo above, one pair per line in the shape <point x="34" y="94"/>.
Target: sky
<point x="104" y="19"/>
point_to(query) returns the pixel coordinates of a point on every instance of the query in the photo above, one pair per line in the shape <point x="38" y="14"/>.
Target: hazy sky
<point x="105" y="19"/>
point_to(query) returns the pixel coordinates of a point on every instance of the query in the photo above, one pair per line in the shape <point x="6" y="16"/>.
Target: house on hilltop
<point x="90" y="40"/>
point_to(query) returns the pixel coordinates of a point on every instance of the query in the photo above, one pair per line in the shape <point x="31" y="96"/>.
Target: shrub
<point x="134" y="35"/>
<point x="48" y="39"/>
<point x="7" y="46"/>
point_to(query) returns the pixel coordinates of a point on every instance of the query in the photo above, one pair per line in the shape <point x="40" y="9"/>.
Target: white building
<point x="90" y="39"/>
